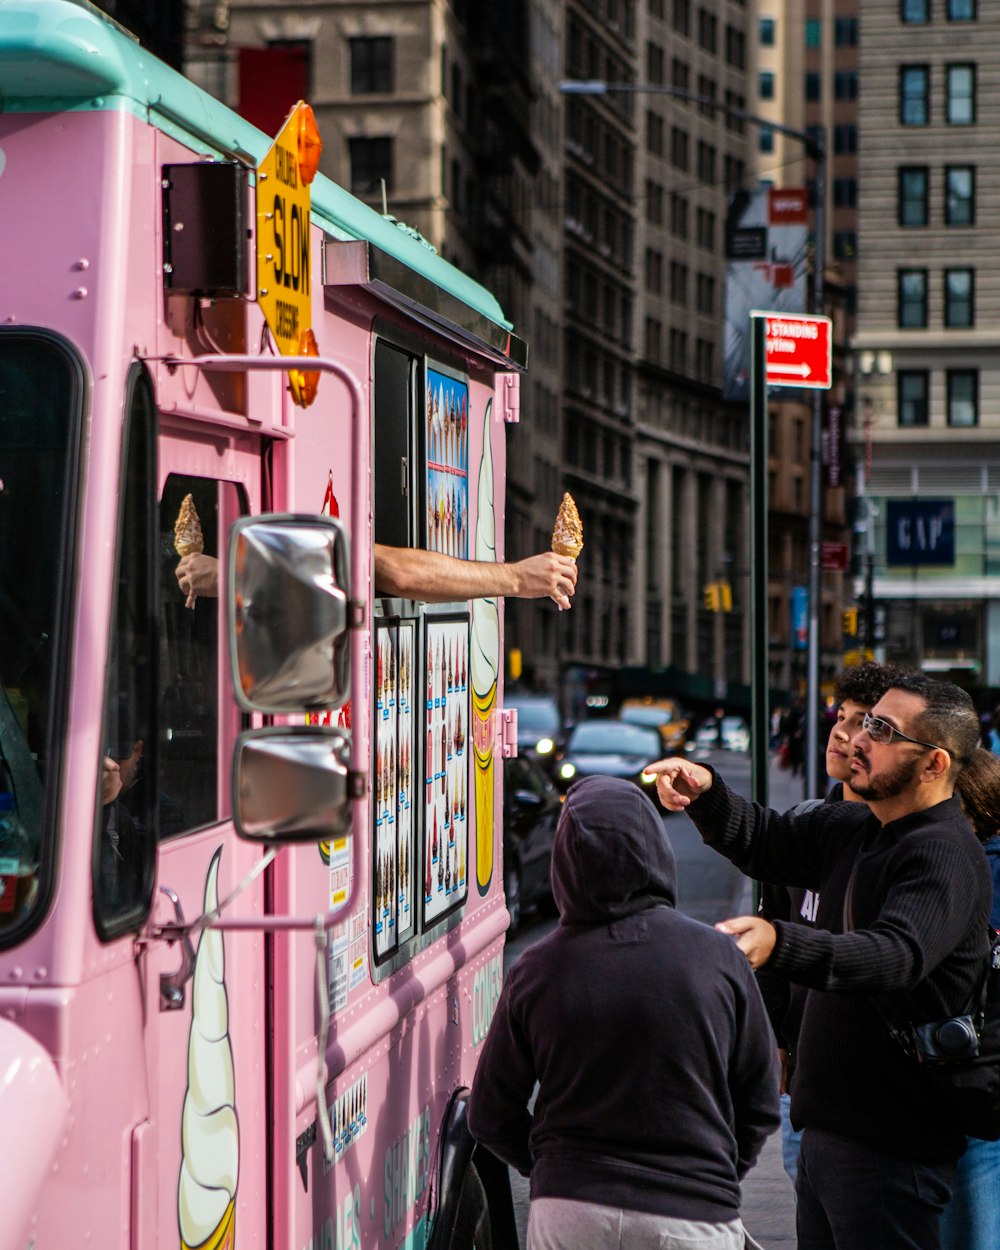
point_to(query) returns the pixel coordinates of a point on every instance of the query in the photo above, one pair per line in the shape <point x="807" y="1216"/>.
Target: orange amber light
<point x="310" y="145"/>
<point x="304" y="383"/>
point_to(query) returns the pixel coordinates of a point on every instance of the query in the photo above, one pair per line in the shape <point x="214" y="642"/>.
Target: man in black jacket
<point x="856" y="692"/>
<point x="904" y="899"/>
<point x="648" y="1039"/>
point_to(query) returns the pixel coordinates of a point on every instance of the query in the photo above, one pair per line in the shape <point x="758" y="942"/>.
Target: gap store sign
<point x="920" y="532"/>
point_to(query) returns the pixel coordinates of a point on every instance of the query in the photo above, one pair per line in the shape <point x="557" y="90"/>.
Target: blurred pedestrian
<point x="647" y="1038"/>
<point x="971" y="1221"/>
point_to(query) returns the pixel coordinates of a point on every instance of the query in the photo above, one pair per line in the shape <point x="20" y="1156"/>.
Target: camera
<point x="946" y="1041"/>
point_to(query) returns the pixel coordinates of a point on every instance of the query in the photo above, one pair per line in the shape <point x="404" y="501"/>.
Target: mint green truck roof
<point x="67" y="55"/>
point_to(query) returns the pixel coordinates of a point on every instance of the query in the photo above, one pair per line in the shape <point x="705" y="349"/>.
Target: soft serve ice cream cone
<point x="567" y="535"/>
<point x="206" y="1192"/>
<point x="188" y="538"/>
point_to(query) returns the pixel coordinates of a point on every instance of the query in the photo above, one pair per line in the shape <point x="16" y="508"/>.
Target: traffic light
<point x="849" y="618"/>
<point x="725" y="596"/>
<point x="711" y="596"/>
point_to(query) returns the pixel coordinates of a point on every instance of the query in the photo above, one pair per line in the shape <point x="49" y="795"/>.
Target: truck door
<point x="201" y="1174"/>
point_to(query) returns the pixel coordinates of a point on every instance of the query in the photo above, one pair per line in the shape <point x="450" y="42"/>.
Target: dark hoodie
<point x="644" y="1030"/>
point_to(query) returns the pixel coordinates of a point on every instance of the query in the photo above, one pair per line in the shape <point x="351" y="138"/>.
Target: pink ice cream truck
<point x="251" y="906"/>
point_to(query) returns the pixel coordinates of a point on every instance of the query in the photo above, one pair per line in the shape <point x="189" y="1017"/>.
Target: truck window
<point x="193" y="769"/>
<point x="41" y="400"/>
<point x="127" y="810"/>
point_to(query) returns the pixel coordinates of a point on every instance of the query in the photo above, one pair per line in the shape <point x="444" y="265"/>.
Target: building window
<point x="765" y="84"/>
<point x="708" y="30"/>
<point x="371" y="162"/>
<point x="814" y="33"/>
<point x="961" y="105"/>
<point x="914" y="85"/>
<point x="845" y="32"/>
<point x="682" y="17"/>
<point x="959" y="195"/>
<point x="678" y="215"/>
<point x="680" y="74"/>
<point x="917" y="11"/>
<point x="678" y="282"/>
<point x="654" y="270"/>
<point x="845" y="192"/>
<point x="845" y="85"/>
<point x="959" y="299"/>
<point x="654" y="63"/>
<point x="706" y="161"/>
<point x="845" y="245"/>
<point x="913" y="387"/>
<point x="766" y="32"/>
<point x="654" y="202"/>
<point x="812" y="85"/>
<point x="845" y="139"/>
<point x="765" y="139"/>
<point x="913" y="195"/>
<point x="963" y="397"/>
<point x="679" y="147"/>
<point x="912" y="299"/>
<point x="372" y="66"/>
<point x="654" y="133"/>
<point x="961" y="10"/>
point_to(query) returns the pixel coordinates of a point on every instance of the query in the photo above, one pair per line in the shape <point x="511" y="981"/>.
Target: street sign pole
<point x="798" y="352"/>
<point x="759" y="668"/>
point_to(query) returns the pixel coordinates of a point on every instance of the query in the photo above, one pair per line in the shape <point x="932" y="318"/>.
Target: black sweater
<point x="644" y="1030"/>
<point x="921" y="899"/>
<point x="784" y="1001"/>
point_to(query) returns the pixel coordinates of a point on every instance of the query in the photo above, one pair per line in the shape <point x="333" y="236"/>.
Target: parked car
<point x="735" y="735"/>
<point x="539" y="726"/>
<point x="611" y="748"/>
<point x="531" y="807"/>
<point x="665" y="715"/>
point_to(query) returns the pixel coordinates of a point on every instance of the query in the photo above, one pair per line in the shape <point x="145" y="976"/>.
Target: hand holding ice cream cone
<point x="188" y="538"/>
<point x="567" y="534"/>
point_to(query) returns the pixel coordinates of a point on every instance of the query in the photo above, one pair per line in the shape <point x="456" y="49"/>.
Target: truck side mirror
<point x="287" y="587"/>
<point x="292" y="784"/>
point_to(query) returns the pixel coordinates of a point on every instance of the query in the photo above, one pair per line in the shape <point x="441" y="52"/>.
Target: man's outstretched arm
<point x="432" y="577"/>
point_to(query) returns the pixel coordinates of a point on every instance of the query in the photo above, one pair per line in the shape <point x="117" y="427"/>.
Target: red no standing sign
<point x="798" y="350"/>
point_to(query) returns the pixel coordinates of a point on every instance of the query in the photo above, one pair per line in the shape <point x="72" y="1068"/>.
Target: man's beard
<point x="888" y="785"/>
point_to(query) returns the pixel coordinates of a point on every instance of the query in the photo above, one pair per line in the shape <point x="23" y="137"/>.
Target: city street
<point x="709" y="890"/>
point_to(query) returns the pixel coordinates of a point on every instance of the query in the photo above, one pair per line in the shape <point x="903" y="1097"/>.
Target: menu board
<point x="446" y="766"/>
<point x="446" y="451"/>
<point x="393" y="909"/>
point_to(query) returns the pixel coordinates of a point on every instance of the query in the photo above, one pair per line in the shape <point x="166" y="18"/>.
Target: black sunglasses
<point x="883" y="733"/>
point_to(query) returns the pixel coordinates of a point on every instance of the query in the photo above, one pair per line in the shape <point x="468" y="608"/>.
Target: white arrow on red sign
<point x="798" y="350"/>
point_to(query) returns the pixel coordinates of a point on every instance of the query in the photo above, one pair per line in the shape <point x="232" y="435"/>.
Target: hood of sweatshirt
<point x="611" y="856"/>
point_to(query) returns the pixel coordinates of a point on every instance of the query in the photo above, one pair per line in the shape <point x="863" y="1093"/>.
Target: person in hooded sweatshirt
<point x="649" y="1042"/>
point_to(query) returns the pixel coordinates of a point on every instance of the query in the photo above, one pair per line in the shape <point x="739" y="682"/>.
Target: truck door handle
<point x="172" y="983"/>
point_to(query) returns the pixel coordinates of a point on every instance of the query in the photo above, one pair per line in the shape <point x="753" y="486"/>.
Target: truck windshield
<point x="40" y="399"/>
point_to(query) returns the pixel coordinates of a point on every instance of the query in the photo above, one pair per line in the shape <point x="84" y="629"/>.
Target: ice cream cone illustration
<point x="210" y="1145"/>
<point x="188" y="538"/>
<point x="567" y="536"/>
<point x="484" y="666"/>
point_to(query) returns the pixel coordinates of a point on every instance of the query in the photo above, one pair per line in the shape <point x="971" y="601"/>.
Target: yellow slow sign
<point x="284" y="289"/>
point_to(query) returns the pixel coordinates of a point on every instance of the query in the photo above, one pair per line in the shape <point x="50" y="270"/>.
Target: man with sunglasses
<point x="856" y="691"/>
<point x="904" y="897"/>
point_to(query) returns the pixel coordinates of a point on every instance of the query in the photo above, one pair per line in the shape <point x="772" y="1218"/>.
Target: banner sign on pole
<point x="798" y="350"/>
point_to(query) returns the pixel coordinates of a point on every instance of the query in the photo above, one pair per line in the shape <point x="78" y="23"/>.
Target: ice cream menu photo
<point x="446" y="766"/>
<point x="446" y="451"/>
<point x="393" y="910"/>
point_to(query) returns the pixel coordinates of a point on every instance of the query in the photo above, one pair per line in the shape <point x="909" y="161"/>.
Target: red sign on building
<point x="799" y="350"/>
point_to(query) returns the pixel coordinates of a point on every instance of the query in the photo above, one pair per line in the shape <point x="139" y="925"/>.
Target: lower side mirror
<point x="292" y="784"/>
